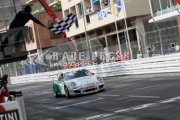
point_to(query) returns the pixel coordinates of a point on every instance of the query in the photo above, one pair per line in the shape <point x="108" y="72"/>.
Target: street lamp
<point x="119" y="43"/>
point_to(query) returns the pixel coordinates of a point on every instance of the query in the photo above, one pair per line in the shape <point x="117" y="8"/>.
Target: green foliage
<point x="101" y="41"/>
<point x="57" y="7"/>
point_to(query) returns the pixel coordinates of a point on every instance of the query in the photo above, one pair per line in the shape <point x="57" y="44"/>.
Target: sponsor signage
<point x="10" y="115"/>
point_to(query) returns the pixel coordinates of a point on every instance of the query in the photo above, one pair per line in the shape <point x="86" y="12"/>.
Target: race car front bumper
<point x="87" y="90"/>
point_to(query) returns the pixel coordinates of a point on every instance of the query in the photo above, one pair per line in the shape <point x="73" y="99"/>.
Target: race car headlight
<point x="73" y="84"/>
<point x="100" y="79"/>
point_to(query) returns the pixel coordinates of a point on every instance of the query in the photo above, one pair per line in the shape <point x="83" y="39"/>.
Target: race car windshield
<point x="77" y="74"/>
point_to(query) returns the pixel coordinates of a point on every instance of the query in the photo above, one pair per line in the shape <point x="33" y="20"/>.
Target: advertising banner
<point x="10" y="111"/>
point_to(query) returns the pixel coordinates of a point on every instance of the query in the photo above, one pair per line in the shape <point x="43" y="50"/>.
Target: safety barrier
<point x="158" y="64"/>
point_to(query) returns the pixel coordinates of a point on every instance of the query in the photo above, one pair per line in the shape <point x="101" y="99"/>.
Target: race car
<point x="77" y="82"/>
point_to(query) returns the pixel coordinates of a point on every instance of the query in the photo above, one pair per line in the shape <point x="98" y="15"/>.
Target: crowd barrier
<point x="158" y="64"/>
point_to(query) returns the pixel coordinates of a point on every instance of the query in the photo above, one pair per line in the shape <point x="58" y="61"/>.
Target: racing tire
<point x="102" y="90"/>
<point x="56" y="95"/>
<point x="67" y="92"/>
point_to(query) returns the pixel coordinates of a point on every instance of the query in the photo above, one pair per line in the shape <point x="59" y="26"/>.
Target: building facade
<point x="38" y="39"/>
<point x="98" y="23"/>
<point x="165" y="17"/>
<point x="8" y="9"/>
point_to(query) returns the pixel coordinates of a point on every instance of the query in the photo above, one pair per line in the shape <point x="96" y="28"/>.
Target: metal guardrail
<point x="158" y="64"/>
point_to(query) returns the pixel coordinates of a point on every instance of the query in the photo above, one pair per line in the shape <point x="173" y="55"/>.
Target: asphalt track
<point x="137" y="97"/>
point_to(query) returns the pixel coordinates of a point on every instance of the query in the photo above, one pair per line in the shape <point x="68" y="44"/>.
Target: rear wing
<point x="12" y="45"/>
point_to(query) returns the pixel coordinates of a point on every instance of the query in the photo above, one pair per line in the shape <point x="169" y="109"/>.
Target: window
<point x="108" y="29"/>
<point x="79" y="10"/>
<point x="88" y="7"/>
<point x="105" y="3"/>
<point x="73" y="10"/>
<point x="156" y="7"/>
<point x="66" y="12"/>
<point x="30" y="37"/>
<point x="76" y="23"/>
<point x="99" y="32"/>
<point x="77" y="74"/>
<point x="87" y="19"/>
<point x="96" y="6"/>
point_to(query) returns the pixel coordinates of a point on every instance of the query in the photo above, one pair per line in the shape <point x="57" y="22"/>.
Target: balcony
<point x="166" y="13"/>
<point x="164" y="9"/>
<point x="167" y="10"/>
<point x="31" y="1"/>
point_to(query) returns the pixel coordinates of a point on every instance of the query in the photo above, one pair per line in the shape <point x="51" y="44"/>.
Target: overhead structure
<point x="56" y="20"/>
<point x="12" y="45"/>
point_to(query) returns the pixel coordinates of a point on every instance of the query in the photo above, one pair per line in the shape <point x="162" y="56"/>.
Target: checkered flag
<point x="64" y="24"/>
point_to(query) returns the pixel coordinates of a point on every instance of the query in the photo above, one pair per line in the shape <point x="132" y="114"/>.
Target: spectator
<point x="88" y="10"/>
<point x="3" y="88"/>
<point x="104" y="58"/>
<point x="96" y="57"/>
<point x="139" y="55"/>
<point x="149" y="52"/>
<point x="118" y="57"/>
<point x="177" y="47"/>
<point x="105" y="3"/>
<point x="112" y="58"/>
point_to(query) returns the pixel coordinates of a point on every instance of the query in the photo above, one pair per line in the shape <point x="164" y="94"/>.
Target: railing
<point x="158" y="64"/>
<point x="12" y="44"/>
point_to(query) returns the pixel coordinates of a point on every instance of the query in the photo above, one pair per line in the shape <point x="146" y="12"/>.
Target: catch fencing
<point x="157" y="64"/>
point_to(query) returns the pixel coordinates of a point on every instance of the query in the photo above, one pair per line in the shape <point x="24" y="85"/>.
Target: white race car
<point x="77" y="82"/>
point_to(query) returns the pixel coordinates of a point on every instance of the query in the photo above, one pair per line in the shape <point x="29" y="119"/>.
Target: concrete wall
<point x="66" y="4"/>
<point x="137" y="7"/>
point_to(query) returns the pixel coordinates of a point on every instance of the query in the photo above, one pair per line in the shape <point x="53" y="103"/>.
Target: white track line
<point x="98" y="116"/>
<point x="139" y="107"/>
<point x="109" y="95"/>
<point x="75" y="104"/>
<point x="137" y="96"/>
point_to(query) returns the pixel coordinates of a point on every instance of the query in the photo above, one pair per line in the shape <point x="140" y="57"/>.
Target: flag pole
<point x="127" y="32"/>
<point x="119" y="43"/>
<point x="87" y="42"/>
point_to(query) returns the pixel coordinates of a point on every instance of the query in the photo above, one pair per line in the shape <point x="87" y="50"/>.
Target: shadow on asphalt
<point x="83" y="95"/>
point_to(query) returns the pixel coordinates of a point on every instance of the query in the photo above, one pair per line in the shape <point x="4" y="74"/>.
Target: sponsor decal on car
<point x="89" y="86"/>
